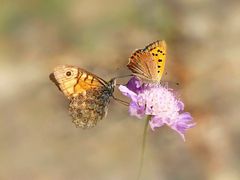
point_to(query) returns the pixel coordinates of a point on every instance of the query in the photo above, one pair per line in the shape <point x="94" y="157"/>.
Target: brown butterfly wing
<point x="86" y="110"/>
<point x="140" y="64"/>
<point x="149" y="63"/>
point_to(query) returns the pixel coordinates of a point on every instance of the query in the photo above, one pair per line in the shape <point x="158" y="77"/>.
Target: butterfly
<point x="89" y="95"/>
<point x="149" y="63"/>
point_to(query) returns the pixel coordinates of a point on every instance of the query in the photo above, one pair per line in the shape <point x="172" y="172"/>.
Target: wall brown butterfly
<point x="89" y="95"/>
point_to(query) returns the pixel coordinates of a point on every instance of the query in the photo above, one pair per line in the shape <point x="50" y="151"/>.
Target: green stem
<point x="143" y="147"/>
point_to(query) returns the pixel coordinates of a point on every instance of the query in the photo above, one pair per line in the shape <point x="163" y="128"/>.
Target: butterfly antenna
<point x="118" y="77"/>
<point x="176" y="83"/>
<point x="166" y="83"/>
<point x="121" y="101"/>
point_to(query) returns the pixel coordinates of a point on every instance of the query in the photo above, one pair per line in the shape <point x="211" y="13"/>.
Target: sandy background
<point x="37" y="138"/>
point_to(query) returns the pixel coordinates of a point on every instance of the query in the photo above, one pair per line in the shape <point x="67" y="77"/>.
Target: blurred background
<point x="38" y="140"/>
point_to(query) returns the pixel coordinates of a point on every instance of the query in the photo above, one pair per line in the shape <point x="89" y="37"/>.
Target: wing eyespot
<point x="68" y="73"/>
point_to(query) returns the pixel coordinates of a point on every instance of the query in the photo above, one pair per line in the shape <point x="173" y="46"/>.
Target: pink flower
<point x="159" y="102"/>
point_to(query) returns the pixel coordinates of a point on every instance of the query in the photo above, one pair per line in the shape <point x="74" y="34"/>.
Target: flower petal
<point x="127" y="92"/>
<point x="185" y="117"/>
<point x="136" y="110"/>
<point x="155" y="122"/>
<point x="134" y="84"/>
<point x="183" y="123"/>
<point x="180" y="105"/>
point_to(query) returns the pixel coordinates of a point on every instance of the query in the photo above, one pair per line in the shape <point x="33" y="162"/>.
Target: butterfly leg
<point x="121" y="101"/>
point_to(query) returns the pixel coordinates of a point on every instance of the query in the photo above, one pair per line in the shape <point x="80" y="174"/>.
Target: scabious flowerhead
<point x="159" y="102"/>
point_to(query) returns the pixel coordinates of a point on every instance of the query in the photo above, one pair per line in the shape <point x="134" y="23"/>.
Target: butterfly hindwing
<point x="86" y="110"/>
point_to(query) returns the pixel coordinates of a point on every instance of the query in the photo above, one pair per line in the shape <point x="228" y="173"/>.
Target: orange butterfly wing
<point x="73" y="81"/>
<point x="149" y="63"/>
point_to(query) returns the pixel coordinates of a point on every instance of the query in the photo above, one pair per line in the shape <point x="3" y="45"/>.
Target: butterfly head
<point x="111" y="85"/>
<point x="65" y="77"/>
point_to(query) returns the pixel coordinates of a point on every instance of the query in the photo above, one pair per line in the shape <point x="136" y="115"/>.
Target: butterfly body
<point x="149" y="62"/>
<point x="89" y="95"/>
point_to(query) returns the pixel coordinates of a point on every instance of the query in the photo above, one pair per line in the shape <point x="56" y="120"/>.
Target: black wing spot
<point x="158" y="71"/>
<point x="68" y="73"/>
<point x="159" y="66"/>
<point x="160" y="60"/>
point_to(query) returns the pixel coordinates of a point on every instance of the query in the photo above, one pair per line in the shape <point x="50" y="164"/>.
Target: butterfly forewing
<point x="89" y="95"/>
<point x="149" y="63"/>
<point x="73" y="81"/>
